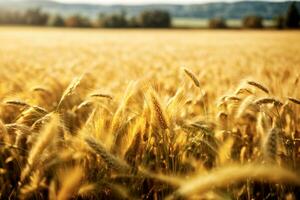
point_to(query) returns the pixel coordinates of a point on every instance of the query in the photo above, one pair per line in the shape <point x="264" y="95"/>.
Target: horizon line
<point x="168" y="3"/>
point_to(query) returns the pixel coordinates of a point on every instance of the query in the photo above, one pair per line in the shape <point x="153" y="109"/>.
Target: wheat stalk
<point x="259" y="86"/>
<point x="133" y="149"/>
<point x="17" y="103"/>
<point x="296" y="101"/>
<point x="268" y="101"/>
<point x="44" y="139"/>
<point x="102" y="95"/>
<point x="159" y="115"/>
<point x="109" y="158"/>
<point x="40" y="110"/>
<point x="192" y="77"/>
<point x="69" y="91"/>
<point x="41" y="89"/>
<point x="118" y="117"/>
<point x="270" y="145"/>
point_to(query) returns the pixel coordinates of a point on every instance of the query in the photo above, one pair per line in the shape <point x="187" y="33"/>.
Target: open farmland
<point x="149" y="114"/>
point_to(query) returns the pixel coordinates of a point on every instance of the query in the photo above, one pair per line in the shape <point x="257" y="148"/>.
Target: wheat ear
<point x="112" y="161"/>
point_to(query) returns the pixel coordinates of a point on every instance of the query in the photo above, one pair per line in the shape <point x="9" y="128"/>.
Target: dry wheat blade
<point x="232" y="174"/>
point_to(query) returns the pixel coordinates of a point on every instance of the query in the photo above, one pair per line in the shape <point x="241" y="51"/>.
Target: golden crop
<point x="149" y="114"/>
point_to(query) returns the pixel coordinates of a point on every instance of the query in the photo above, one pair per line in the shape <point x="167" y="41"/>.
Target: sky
<point x="143" y="1"/>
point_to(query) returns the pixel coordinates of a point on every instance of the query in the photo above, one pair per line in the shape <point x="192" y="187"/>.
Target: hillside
<point x="235" y="10"/>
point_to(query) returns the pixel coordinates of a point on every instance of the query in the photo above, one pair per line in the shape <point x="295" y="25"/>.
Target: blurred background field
<point x="220" y="58"/>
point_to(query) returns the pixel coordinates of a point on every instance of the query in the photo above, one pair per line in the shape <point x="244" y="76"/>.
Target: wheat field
<point x="149" y="114"/>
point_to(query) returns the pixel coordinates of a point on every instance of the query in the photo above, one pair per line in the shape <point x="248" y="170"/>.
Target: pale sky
<point x="144" y="1"/>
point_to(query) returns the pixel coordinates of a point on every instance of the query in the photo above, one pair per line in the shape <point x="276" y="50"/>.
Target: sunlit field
<point x="149" y="114"/>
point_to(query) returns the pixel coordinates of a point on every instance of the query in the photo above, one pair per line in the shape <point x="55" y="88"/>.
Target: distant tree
<point x="55" y="20"/>
<point x="253" y="21"/>
<point x="155" y="19"/>
<point x="279" y="22"/>
<point x="35" y="16"/>
<point x="292" y="16"/>
<point x="11" y="17"/>
<point x="78" y="21"/>
<point x="117" y="20"/>
<point x="100" y="18"/>
<point x="133" y="22"/>
<point x="217" y="23"/>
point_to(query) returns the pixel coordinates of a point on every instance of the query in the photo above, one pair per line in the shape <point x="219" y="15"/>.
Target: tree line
<point x="35" y="16"/>
<point x="146" y="19"/>
<point x="291" y="19"/>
